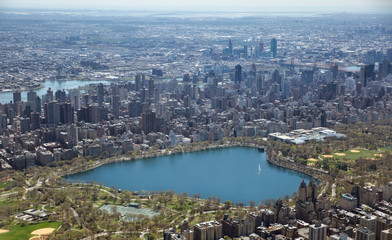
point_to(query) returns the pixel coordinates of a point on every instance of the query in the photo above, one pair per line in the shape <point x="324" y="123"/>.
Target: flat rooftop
<point x="129" y="213"/>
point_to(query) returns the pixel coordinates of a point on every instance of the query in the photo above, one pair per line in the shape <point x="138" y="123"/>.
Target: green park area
<point x="355" y="154"/>
<point x="350" y="155"/>
<point x="6" y="184"/>
<point x="19" y="232"/>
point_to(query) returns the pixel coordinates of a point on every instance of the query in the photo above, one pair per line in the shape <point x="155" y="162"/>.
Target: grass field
<point x="312" y="162"/>
<point x="354" y="154"/>
<point x="6" y="184"/>
<point x="7" y="202"/>
<point x="18" y="232"/>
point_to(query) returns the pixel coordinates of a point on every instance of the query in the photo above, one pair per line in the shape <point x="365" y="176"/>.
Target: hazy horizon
<point x="355" y="6"/>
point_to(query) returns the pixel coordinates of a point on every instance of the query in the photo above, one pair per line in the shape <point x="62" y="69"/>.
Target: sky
<point x="381" y="6"/>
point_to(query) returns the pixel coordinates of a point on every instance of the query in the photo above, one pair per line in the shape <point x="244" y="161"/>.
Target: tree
<point x="228" y="204"/>
<point x="197" y="195"/>
<point x="152" y="236"/>
<point x="252" y="203"/>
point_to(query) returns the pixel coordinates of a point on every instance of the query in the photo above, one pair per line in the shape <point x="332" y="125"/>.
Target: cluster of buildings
<point x="313" y="217"/>
<point x="122" y="117"/>
<point x="300" y="136"/>
<point x="174" y="84"/>
<point x="172" y="47"/>
<point x="179" y="81"/>
<point x="31" y="215"/>
<point x="106" y="120"/>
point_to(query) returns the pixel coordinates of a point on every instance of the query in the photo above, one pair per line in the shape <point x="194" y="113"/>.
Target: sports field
<point x="354" y="154"/>
<point x="17" y="232"/>
<point x="349" y="156"/>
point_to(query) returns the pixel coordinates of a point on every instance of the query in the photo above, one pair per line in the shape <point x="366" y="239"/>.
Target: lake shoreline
<point x="275" y="159"/>
<point x="145" y="155"/>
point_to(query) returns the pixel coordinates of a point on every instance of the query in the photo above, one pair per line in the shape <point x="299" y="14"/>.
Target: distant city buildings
<point x="202" y="81"/>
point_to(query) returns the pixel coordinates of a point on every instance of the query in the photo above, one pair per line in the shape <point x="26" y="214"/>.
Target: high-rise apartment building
<point x="274" y="47"/>
<point x="317" y="231"/>
<point x="149" y="122"/>
<point x="238" y="74"/>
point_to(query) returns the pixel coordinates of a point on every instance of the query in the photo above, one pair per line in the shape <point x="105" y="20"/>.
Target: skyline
<point x="378" y="6"/>
<point x="213" y="122"/>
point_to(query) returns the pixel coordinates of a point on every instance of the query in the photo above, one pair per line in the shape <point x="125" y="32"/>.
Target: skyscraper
<point x="60" y="96"/>
<point x="274" y="47"/>
<point x="31" y="95"/>
<point x="86" y="99"/>
<point x="24" y="124"/>
<point x="259" y="85"/>
<point x="93" y="114"/>
<point x="307" y="76"/>
<point x="73" y="135"/>
<point x="27" y="111"/>
<point x="317" y="231"/>
<point x="35" y="120"/>
<point x="302" y="192"/>
<point x="261" y="45"/>
<point x="138" y="82"/>
<point x="116" y="105"/>
<point x="370" y="57"/>
<point x="276" y="78"/>
<point x="238" y="74"/>
<point x="230" y="47"/>
<point x="245" y="51"/>
<point x="208" y="231"/>
<point x="74" y="95"/>
<point x="143" y="80"/>
<point x="17" y="96"/>
<point x="48" y="95"/>
<point x="66" y="113"/>
<point x="151" y="87"/>
<point x="52" y="112"/>
<point x="100" y="94"/>
<point x="38" y="104"/>
<point x="134" y="108"/>
<point x="366" y="74"/>
<point x="143" y="95"/>
<point x="386" y="234"/>
<point x="253" y="71"/>
<point x="11" y="115"/>
<point x="148" y="122"/>
<point x="286" y="89"/>
<point x="369" y="222"/>
<point x="364" y="234"/>
<point x="56" y="112"/>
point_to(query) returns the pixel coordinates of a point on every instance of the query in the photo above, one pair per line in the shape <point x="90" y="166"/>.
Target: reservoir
<point x="238" y="174"/>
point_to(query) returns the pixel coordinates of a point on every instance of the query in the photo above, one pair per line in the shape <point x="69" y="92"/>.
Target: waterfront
<point x="229" y="173"/>
<point x="6" y="97"/>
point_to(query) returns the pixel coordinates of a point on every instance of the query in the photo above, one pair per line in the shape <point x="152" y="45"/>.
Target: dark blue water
<point x="229" y="173"/>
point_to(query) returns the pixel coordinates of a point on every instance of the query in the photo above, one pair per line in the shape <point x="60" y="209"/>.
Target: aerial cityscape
<point x="178" y="122"/>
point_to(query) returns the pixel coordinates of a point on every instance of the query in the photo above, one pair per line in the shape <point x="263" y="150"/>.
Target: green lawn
<point x="24" y="233"/>
<point x="6" y="184"/>
<point x="348" y="155"/>
<point x="6" y="202"/>
<point x="312" y="161"/>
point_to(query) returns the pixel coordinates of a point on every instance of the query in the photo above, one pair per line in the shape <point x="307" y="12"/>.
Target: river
<point x="228" y="173"/>
<point x="6" y="97"/>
